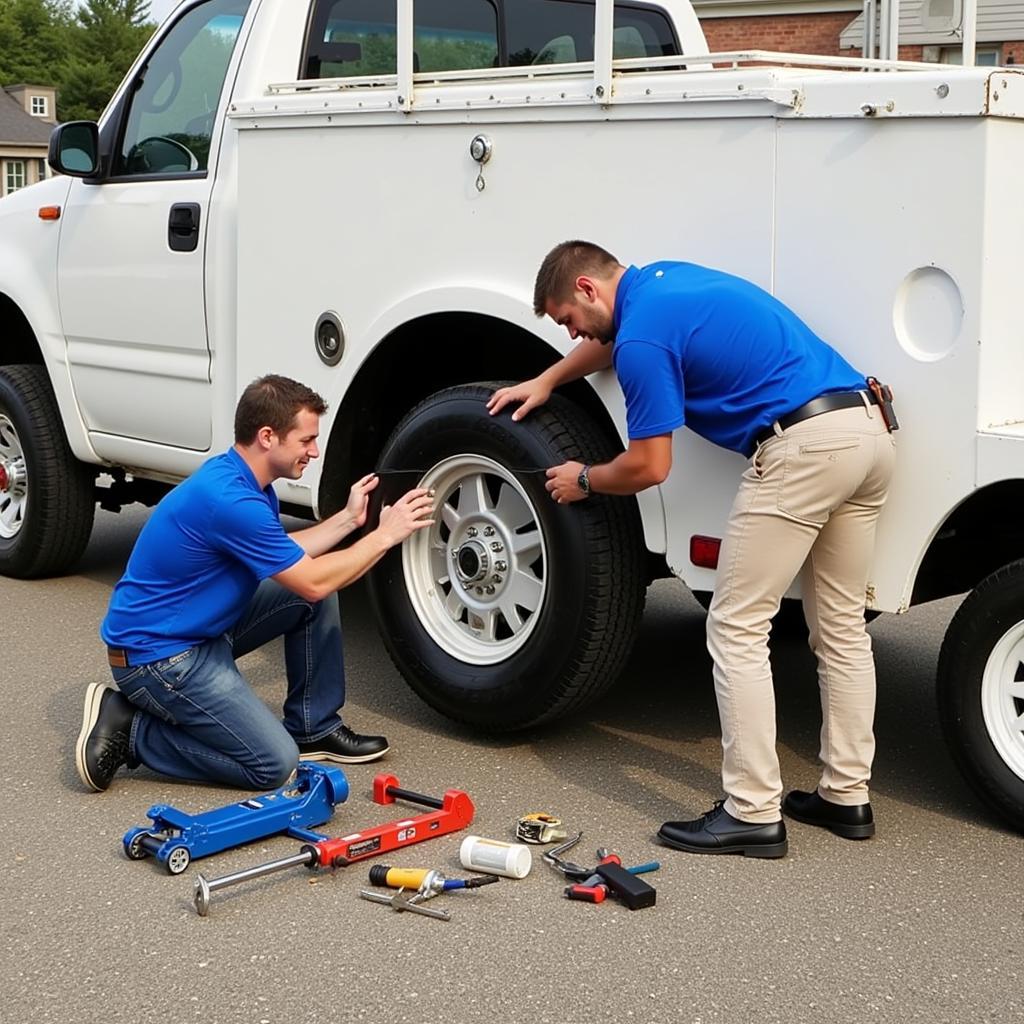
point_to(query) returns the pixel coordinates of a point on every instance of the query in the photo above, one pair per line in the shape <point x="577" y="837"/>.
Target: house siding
<point x="998" y="21"/>
<point x="806" y="28"/>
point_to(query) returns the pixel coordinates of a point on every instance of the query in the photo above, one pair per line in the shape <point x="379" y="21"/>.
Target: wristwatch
<point x="583" y="481"/>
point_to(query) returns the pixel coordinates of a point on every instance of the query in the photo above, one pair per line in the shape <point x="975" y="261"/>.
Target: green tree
<point x="33" y="40"/>
<point x="104" y="39"/>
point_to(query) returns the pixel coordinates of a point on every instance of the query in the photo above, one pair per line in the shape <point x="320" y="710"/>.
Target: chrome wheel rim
<point x="13" y="481"/>
<point x="1002" y="698"/>
<point x="477" y="578"/>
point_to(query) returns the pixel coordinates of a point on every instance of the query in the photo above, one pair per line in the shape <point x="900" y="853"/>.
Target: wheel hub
<point x="13" y="477"/>
<point x="13" y="481"/>
<point x="477" y="580"/>
<point x="471" y="562"/>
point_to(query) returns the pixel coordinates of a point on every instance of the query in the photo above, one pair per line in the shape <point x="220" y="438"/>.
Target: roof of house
<point x="20" y="127"/>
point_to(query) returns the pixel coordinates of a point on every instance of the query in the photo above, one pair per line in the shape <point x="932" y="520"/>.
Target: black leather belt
<point x="117" y="657"/>
<point x="815" y="407"/>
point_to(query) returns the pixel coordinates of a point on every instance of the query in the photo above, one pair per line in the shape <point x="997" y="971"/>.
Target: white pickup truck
<point x="357" y="193"/>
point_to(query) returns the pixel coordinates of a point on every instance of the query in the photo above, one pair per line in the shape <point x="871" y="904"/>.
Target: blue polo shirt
<point x="197" y="562"/>
<point x="698" y="347"/>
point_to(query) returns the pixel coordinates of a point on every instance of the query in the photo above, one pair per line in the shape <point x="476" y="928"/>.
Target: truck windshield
<point x="350" y="38"/>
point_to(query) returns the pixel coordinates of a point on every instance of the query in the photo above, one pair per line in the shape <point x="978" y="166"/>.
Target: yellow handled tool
<point x="399" y="878"/>
<point x="423" y="880"/>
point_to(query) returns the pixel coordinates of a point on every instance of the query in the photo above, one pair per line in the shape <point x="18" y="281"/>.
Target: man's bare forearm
<point x="323" y="536"/>
<point x="587" y="357"/>
<point x="315" y="578"/>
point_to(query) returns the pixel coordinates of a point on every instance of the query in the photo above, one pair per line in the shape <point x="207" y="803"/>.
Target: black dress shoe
<point x="102" y="745"/>
<point x="855" y="822"/>
<point x="719" y="832"/>
<point x="344" y="746"/>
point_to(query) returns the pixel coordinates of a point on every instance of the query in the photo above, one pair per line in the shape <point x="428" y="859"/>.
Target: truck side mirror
<point x="75" y="149"/>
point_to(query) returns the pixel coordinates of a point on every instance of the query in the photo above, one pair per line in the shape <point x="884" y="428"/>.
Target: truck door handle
<point x="183" y="227"/>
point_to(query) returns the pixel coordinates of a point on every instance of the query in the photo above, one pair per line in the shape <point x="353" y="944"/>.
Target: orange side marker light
<point x="49" y="213"/>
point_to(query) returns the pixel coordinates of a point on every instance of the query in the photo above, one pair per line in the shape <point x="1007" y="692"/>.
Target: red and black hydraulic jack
<point x="452" y="812"/>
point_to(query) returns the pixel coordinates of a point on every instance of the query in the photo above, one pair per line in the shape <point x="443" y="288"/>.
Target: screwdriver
<point x="424" y="880"/>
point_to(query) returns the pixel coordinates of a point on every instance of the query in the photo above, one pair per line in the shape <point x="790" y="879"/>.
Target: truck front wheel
<point x="46" y="495"/>
<point x="981" y="690"/>
<point x="511" y="610"/>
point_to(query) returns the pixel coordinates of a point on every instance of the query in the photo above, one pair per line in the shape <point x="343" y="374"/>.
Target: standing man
<point x="698" y="347"/>
<point x="213" y="576"/>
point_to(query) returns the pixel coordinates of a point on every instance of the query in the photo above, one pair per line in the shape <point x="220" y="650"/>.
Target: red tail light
<point x="704" y="551"/>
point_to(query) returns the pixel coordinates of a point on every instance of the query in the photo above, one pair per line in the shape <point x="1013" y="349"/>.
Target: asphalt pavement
<point x="925" y="922"/>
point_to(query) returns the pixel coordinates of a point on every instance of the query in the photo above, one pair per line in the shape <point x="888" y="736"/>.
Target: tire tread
<point x="615" y="597"/>
<point x="61" y="495"/>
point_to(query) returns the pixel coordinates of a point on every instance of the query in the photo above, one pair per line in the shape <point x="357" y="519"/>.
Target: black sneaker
<point x="718" y="831"/>
<point x="344" y="746"/>
<point x="102" y="745"/>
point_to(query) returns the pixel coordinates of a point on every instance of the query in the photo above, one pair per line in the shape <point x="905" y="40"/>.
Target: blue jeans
<point x="199" y="717"/>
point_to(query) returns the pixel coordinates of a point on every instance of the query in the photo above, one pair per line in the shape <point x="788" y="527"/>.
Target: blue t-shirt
<point x="704" y="348"/>
<point x="198" y="561"/>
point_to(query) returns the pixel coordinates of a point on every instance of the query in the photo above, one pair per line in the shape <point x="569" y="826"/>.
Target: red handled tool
<point x="593" y="889"/>
<point x="587" y="893"/>
<point x="452" y="812"/>
<point x="609" y="877"/>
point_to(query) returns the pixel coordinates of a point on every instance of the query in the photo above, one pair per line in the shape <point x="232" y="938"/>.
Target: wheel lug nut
<point x="471" y="532"/>
<point x="496" y="579"/>
<point x="500" y="566"/>
<point x="488" y="531"/>
<point x="480" y="590"/>
<point x="490" y="590"/>
<point x="496" y="545"/>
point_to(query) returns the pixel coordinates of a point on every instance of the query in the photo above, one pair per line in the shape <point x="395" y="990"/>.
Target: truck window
<point x="358" y="37"/>
<point x="347" y="38"/>
<point x="170" y="117"/>
<point x="562" y="32"/>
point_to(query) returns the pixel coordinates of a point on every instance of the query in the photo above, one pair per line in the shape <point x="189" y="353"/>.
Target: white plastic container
<point x="493" y="857"/>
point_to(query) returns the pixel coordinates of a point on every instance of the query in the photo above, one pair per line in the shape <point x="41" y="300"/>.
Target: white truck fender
<point x="517" y="309"/>
<point x="28" y="277"/>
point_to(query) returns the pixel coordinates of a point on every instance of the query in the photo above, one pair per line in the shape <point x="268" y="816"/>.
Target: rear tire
<point x="981" y="691"/>
<point x="47" y="501"/>
<point x="512" y="610"/>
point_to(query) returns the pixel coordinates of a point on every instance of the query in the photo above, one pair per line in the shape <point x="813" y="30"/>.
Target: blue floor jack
<point x="174" y="838"/>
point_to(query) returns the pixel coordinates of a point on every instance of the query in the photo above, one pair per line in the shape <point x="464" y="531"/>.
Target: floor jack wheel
<point x="178" y="860"/>
<point x="136" y="846"/>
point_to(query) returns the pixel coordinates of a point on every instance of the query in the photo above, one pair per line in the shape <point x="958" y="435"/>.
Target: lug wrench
<point x="403" y="901"/>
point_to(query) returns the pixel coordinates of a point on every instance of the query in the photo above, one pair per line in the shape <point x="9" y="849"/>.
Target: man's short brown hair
<point x="273" y="401"/>
<point x="563" y="265"/>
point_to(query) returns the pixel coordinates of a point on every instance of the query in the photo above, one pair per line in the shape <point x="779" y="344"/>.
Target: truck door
<point x="132" y="252"/>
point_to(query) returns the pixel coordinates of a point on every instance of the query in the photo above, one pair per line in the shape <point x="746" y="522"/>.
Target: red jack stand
<point x="452" y="812"/>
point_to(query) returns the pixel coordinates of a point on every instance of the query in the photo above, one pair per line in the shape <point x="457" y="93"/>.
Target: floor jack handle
<point x="204" y="887"/>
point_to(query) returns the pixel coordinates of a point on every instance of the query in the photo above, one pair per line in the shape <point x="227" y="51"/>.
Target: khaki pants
<point x="808" y="502"/>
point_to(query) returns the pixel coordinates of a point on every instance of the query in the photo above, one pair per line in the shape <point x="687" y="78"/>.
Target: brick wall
<point x="1013" y="53"/>
<point x="806" y="33"/>
<point x="792" y="33"/>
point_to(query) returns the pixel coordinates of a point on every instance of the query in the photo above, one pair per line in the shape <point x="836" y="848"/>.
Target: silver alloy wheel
<point x="477" y="578"/>
<point x="1002" y="698"/>
<point x="13" y="480"/>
